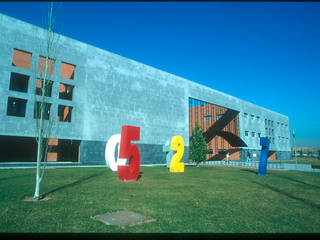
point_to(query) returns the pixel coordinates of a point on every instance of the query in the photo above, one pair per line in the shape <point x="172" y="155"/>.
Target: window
<point x="210" y="151"/>
<point x="16" y="107"/>
<point x="21" y="59"/>
<point x="269" y="123"/>
<point x="46" y="110"/>
<point x="66" y="91"/>
<point x="265" y="121"/>
<point x="272" y="132"/>
<point x="42" y="65"/>
<point x="266" y="131"/>
<point x="259" y="135"/>
<point x="269" y="132"/>
<point x="253" y="134"/>
<point x="47" y="87"/>
<point x="258" y="118"/>
<point x="64" y="113"/>
<point x="219" y="116"/>
<point x="67" y="70"/>
<point x="252" y="116"/>
<point x="19" y="82"/>
<point x="246" y="133"/>
<point x="245" y="115"/>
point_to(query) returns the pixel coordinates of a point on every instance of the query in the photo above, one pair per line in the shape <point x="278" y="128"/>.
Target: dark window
<point x="246" y="133"/>
<point x="208" y="118"/>
<point x="219" y="116"/>
<point x="64" y="113"/>
<point x="19" y="82"/>
<point x="65" y="91"/>
<point x="46" y="110"/>
<point x="47" y="87"/>
<point x="16" y="107"/>
<point x="210" y="151"/>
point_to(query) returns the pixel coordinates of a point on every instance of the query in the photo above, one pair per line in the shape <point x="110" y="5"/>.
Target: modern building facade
<point x="94" y="92"/>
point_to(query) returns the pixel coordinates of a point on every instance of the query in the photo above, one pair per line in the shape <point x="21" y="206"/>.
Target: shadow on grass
<point x="81" y="180"/>
<point x="295" y="180"/>
<point x="289" y="195"/>
<point x="19" y="176"/>
<point x="140" y="175"/>
<point x="250" y="171"/>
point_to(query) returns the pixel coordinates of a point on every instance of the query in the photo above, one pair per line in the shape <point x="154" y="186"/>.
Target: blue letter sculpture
<point x="169" y="153"/>
<point x="264" y="142"/>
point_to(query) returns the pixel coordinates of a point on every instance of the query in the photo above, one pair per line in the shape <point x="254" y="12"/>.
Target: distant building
<point x="94" y="92"/>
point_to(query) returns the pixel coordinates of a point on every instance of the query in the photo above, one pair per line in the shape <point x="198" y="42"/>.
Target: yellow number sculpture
<point x="177" y="144"/>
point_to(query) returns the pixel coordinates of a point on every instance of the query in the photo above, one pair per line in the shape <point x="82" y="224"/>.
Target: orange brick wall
<point x="198" y="113"/>
<point x="67" y="70"/>
<point x="21" y="59"/>
<point x="42" y="65"/>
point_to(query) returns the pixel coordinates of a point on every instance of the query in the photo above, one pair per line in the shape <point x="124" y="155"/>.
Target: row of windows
<point x="17" y="107"/>
<point x="19" y="82"/>
<point x="209" y="117"/>
<point x="266" y="121"/>
<point x="251" y="116"/>
<point x="253" y="134"/>
<point x="22" y="59"/>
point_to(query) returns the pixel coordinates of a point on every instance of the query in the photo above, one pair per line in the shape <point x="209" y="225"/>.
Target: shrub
<point x="198" y="145"/>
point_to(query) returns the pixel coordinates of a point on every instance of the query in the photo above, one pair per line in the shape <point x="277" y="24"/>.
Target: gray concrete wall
<point x="111" y="91"/>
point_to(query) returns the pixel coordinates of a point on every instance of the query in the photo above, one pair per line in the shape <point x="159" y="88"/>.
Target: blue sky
<point x="267" y="53"/>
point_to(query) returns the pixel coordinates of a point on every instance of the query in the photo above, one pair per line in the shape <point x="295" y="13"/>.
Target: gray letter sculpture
<point x="169" y="153"/>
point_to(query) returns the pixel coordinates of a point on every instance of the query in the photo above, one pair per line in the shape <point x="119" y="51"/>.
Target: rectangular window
<point x="21" y="59"/>
<point x="272" y="132"/>
<point x="64" y="113"/>
<point x="253" y="134"/>
<point x="246" y="133"/>
<point x="259" y="135"/>
<point x="42" y="65"/>
<point x="258" y="118"/>
<point x="47" y="87"/>
<point x="67" y="70"/>
<point x="219" y="116"/>
<point x="66" y="91"/>
<point x="252" y="116"/>
<point x="46" y="110"/>
<point x="206" y="118"/>
<point x="266" y="131"/>
<point x="16" y="107"/>
<point x="265" y="121"/>
<point x="245" y="115"/>
<point x="19" y="82"/>
<point x="269" y="123"/>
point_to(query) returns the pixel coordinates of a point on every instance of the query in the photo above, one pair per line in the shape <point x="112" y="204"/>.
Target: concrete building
<point x="94" y="92"/>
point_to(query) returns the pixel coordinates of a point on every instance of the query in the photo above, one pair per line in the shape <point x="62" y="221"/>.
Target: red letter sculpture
<point x="130" y="152"/>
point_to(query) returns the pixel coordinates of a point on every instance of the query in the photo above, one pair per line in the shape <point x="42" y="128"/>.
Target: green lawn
<point x="202" y="199"/>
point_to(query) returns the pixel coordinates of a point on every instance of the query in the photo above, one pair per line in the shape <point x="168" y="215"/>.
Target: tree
<point x="198" y="145"/>
<point x="42" y="108"/>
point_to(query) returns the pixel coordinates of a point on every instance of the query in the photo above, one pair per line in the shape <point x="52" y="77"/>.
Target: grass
<point x="200" y="200"/>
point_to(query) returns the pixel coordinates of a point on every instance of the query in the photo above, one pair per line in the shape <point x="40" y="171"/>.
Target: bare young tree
<point x="44" y="86"/>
